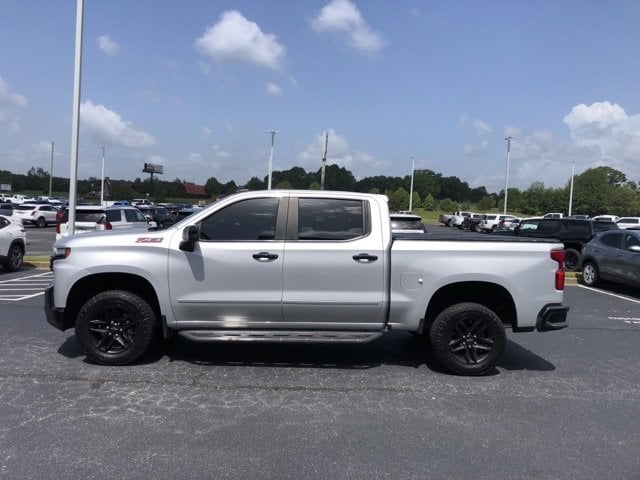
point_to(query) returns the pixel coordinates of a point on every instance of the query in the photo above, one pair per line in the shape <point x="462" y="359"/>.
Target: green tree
<point x="447" y="205"/>
<point x="429" y="203"/>
<point x="486" y="204"/>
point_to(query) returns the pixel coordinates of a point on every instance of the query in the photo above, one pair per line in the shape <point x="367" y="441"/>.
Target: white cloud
<point x="339" y="152"/>
<point x="107" y="127"/>
<point x="473" y="150"/>
<point x="343" y="17"/>
<point x="10" y="98"/>
<point x="273" y="90"/>
<point x="609" y="133"/>
<point x="107" y="45"/>
<point x="9" y="101"/>
<point x="237" y="39"/>
<point x="481" y="127"/>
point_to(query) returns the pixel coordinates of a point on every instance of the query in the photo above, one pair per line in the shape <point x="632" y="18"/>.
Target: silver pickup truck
<point x="303" y="266"/>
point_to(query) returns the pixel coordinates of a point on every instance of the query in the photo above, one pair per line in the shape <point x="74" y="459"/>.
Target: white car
<point x="92" y="218"/>
<point x="605" y="218"/>
<point x="19" y="199"/>
<point x="628" y="222"/>
<point x="38" y="214"/>
<point x="406" y="223"/>
<point x="13" y="241"/>
<point x="491" y="221"/>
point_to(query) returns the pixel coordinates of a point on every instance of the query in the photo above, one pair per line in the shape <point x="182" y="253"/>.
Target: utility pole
<point x="102" y="182"/>
<point x="506" y="182"/>
<point x="573" y="167"/>
<point x="411" y="188"/>
<point x="273" y="134"/>
<point x="324" y="159"/>
<point x="51" y="171"/>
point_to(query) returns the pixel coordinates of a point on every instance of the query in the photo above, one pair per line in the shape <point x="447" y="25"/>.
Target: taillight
<point x="558" y="256"/>
<point x="58" y="220"/>
<point x="105" y="223"/>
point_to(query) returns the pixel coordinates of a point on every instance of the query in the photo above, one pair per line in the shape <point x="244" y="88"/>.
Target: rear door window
<point x="331" y="219"/>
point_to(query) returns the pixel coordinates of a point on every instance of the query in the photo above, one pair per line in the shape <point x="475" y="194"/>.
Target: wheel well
<point x="490" y="295"/>
<point x="20" y="244"/>
<point x="89" y="286"/>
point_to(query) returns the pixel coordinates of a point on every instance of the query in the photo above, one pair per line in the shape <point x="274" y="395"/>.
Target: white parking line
<point x="634" y="300"/>
<point x="26" y="286"/>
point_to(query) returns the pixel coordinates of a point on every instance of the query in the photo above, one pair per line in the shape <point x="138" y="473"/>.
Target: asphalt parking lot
<point x="560" y="405"/>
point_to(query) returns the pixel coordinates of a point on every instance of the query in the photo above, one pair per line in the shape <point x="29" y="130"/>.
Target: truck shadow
<point x="396" y="348"/>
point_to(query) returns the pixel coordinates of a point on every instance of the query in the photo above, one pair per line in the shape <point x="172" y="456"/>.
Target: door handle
<point x="265" y="256"/>
<point x="365" y="258"/>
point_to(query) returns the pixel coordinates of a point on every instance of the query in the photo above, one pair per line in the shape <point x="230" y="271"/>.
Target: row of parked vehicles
<point x="603" y="247"/>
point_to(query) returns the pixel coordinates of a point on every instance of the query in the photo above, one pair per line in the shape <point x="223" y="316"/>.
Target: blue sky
<point x="194" y="86"/>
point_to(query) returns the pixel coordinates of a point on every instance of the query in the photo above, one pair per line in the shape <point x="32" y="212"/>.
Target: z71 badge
<point x="148" y="240"/>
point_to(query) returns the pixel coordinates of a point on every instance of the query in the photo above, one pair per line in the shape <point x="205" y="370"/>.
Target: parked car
<point x="91" y="218"/>
<point x="573" y="234"/>
<point x="508" y="223"/>
<point x="491" y="222"/>
<point x="553" y="215"/>
<point x="13" y="244"/>
<point x="161" y="216"/>
<point x="407" y="223"/>
<point x="19" y="199"/>
<point x="6" y="209"/>
<point x="458" y="218"/>
<point x="605" y="218"/>
<point x="614" y="256"/>
<point x="38" y="214"/>
<point x="629" y="222"/>
<point x="185" y="212"/>
<point x="472" y="223"/>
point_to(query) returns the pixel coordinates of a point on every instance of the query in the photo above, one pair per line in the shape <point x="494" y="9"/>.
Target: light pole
<point x="51" y="172"/>
<point x="273" y="134"/>
<point x="411" y="187"/>
<point x="506" y="181"/>
<point x="102" y="183"/>
<point x="573" y="169"/>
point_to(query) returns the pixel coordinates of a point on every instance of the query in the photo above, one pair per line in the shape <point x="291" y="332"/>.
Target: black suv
<point x="162" y="216"/>
<point x="573" y="233"/>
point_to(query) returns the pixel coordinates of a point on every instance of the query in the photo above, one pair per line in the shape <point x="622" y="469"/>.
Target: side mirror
<point x="634" y="248"/>
<point x="190" y="235"/>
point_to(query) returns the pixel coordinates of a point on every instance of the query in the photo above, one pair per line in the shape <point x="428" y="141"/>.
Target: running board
<point x="280" y="336"/>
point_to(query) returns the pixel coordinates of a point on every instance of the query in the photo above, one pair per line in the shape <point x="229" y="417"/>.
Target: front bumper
<point x="552" y="317"/>
<point x="55" y="316"/>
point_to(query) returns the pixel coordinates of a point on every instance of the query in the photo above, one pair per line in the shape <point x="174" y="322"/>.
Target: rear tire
<point x="467" y="339"/>
<point x="15" y="256"/>
<point x="41" y="222"/>
<point x="116" y="327"/>
<point x="590" y="275"/>
<point x="572" y="260"/>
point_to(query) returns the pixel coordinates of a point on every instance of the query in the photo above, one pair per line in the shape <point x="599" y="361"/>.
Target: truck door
<point x="334" y="265"/>
<point x="233" y="278"/>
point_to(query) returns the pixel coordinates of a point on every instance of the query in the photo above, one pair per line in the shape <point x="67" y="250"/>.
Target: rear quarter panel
<point x="420" y="268"/>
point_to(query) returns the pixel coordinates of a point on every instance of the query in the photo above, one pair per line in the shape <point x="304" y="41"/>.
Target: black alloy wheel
<point x="468" y="339"/>
<point x="115" y="327"/>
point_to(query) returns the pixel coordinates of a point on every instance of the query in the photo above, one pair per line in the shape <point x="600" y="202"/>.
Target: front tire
<point x="590" y="275"/>
<point x="13" y="263"/>
<point x="115" y="327"/>
<point x="467" y="339"/>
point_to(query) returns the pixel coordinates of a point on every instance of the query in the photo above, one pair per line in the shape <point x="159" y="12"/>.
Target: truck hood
<point x="111" y="238"/>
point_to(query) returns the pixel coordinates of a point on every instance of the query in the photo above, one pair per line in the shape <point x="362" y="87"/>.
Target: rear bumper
<point x="552" y="317"/>
<point x="55" y="316"/>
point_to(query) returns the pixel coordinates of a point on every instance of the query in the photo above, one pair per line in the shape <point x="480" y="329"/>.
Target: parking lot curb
<point x="29" y="264"/>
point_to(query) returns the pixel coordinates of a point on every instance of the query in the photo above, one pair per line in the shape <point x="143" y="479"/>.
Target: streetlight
<point x="506" y="181"/>
<point x="573" y="169"/>
<point x="102" y="183"/>
<point x="273" y="134"/>
<point x="411" y="187"/>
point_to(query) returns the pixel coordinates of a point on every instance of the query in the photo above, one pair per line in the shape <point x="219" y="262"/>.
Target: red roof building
<point x="195" y="190"/>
